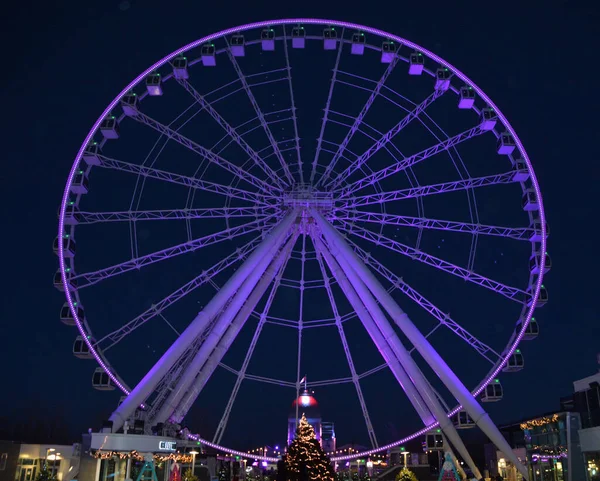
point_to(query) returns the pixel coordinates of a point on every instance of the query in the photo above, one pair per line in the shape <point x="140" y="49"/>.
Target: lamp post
<point x="193" y="452"/>
<point x="405" y="453"/>
<point x="48" y="450"/>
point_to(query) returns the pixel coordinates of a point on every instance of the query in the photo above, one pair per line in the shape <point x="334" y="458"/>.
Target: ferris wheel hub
<point x="304" y="196"/>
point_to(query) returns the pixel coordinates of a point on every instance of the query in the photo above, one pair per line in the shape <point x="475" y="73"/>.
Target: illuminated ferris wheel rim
<point x="508" y="353"/>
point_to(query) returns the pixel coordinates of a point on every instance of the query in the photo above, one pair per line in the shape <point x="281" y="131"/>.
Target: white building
<point x="60" y="459"/>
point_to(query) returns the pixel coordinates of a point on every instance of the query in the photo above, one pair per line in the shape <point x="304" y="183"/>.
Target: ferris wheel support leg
<point x="414" y="378"/>
<point x="249" y="301"/>
<point x="144" y="388"/>
<point x="416" y="337"/>
<point x="383" y="344"/>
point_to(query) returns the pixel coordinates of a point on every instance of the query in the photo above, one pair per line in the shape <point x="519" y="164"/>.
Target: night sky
<point x="63" y="66"/>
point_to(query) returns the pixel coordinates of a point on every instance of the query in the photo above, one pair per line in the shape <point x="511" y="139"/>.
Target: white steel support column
<point x="268" y="247"/>
<point x="249" y="303"/>
<point x="383" y="344"/>
<point x="420" y="342"/>
<point x="172" y="405"/>
<point x="413" y="376"/>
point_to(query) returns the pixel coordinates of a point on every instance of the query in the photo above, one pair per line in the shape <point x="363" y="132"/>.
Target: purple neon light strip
<point x="294" y="21"/>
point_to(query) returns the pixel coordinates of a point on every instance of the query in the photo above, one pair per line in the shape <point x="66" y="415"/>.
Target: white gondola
<point x="102" y="381"/>
<point x="69" y="247"/>
<point x="493" y="392"/>
<point x="506" y="144"/>
<point x="66" y="316"/>
<point x="462" y="420"/>
<point x="58" y="283"/>
<point x="92" y="153"/>
<point x="489" y="118"/>
<point x="542" y="299"/>
<point x="180" y="71"/>
<point x="388" y="51"/>
<point x="129" y="103"/>
<point x="154" y="84"/>
<point x="329" y="38"/>
<point x="71" y="214"/>
<point x="535" y="262"/>
<point x="208" y="54"/>
<point x="109" y="127"/>
<point x="531" y="332"/>
<point x="467" y="98"/>
<point x="520" y="171"/>
<point x="515" y="362"/>
<point x="442" y="79"/>
<point x="434" y="441"/>
<point x="298" y="37"/>
<point x="416" y="63"/>
<point x="530" y="201"/>
<point x="267" y="39"/>
<point x="81" y="349"/>
<point x="536" y="226"/>
<point x="358" y="43"/>
<point x="81" y="183"/>
<point x="237" y="45"/>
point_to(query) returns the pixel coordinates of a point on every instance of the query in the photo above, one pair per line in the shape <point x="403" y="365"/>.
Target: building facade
<point x="586" y="400"/>
<point x="24" y="462"/>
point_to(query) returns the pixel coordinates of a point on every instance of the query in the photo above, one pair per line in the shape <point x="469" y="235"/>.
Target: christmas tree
<point x="189" y="476"/>
<point x="448" y="470"/>
<point x="406" y="475"/>
<point x="45" y="475"/>
<point x="306" y="460"/>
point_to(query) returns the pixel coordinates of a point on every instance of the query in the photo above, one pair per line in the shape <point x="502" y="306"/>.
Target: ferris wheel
<point x="363" y="175"/>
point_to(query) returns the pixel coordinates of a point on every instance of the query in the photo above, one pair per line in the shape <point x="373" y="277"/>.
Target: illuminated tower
<point x="308" y="406"/>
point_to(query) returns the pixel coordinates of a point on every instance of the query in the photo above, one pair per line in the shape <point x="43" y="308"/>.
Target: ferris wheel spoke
<point x="90" y="278"/>
<point x="315" y="162"/>
<point x="384" y="140"/>
<point x="351" y="215"/>
<point x="114" y="337"/>
<point x="293" y="106"/>
<point x="205" y="153"/>
<point x="444" y="319"/>
<point x="425" y="190"/>
<point x="231" y="132"/>
<point x="354" y="375"/>
<point x="357" y="121"/>
<point x="241" y="374"/>
<point x="191" y="182"/>
<point x="261" y="117"/>
<point x="174" y="214"/>
<point x="509" y="292"/>
<point x="409" y="161"/>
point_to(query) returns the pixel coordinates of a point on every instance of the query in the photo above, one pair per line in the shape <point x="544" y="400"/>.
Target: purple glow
<point x="294" y="21"/>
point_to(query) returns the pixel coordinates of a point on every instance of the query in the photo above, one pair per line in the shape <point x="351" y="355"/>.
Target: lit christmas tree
<point x="406" y="475"/>
<point x="306" y="460"/>
<point x="449" y="472"/>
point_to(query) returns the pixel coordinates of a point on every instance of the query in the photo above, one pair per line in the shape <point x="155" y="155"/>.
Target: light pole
<point x="193" y="452"/>
<point x="405" y="453"/>
<point x="48" y="450"/>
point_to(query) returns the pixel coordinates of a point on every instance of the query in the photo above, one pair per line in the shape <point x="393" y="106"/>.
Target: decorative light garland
<point x="177" y="457"/>
<point x="536" y="423"/>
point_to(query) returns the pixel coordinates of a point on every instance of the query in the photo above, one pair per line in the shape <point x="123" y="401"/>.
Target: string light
<point x="535" y="423"/>
<point x="177" y="457"/>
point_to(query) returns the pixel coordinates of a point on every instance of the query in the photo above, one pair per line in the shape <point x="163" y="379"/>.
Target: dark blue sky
<point x="62" y="66"/>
